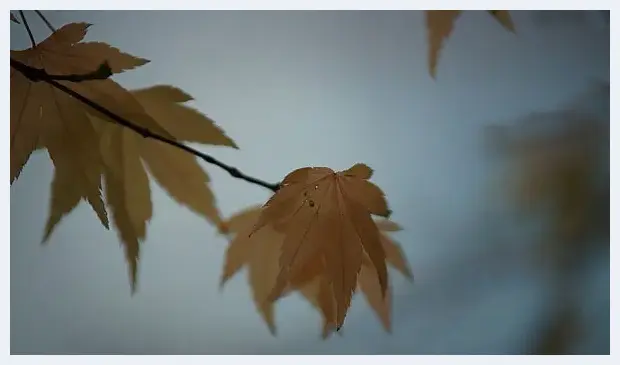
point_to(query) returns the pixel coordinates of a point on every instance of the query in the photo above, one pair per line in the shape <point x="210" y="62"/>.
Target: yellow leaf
<point x="387" y="225"/>
<point x="320" y="295"/>
<point x="440" y="23"/>
<point x="242" y="220"/>
<point x="370" y="286"/>
<point x="44" y="117"/>
<point x="260" y="252"/>
<point x="360" y="171"/>
<point x="503" y="17"/>
<point x="395" y="256"/>
<point x="128" y="192"/>
<point x="237" y="252"/>
<point x="66" y="195"/>
<point x="325" y="222"/>
<point x="559" y="171"/>
<point x="328" y="214"/>
<point x="165" y="93"/>
<point x="180" y="175"/>
<point x="176" y="171"/>
<point x="183" y="122"/>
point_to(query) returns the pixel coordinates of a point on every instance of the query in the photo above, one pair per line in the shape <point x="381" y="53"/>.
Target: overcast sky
<point x="298" y="89"/>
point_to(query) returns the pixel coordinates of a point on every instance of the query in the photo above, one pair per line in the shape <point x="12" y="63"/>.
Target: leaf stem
<point x="40" y="75"/>
<point x="32" y="41"/>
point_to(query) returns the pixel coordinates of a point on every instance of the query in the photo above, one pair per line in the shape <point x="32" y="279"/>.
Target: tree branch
<point x="49" y="25"/>
<point x="37" y="75"/>
<point x="33" y="43"/>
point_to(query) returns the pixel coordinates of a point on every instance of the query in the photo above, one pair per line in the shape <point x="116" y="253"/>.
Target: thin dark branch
<point x="41" y="75"/>
<point x="49" y="25"/>
<point x="36" y="74"/>
<point x="32" y="41"/>
<point x="14" y="19"/>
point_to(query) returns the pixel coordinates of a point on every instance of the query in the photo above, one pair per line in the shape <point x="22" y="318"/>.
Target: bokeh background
<point x="310" y="88"/>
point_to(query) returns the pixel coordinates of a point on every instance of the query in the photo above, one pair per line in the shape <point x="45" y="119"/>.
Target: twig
<point x="49" y="25"/>
<point x="32" y="41"/>
<point x="36" y="74"/>
<point x="14" y="19"/>
<point x="40" y="75"/>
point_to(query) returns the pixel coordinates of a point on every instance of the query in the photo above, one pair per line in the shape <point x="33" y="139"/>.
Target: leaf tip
<point x="432" y="69"/>
<point x="223" y="280"/>
<point x="272" y="329"/>
<point x="46" y="236"/>
<point x="143" y="61"/>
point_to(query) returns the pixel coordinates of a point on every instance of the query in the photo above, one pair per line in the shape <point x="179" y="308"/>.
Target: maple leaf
<point x="44" y="117"/>
<point x="317" y="290"/>
<point x="126" y="154"/>
<point x="326" y="217"/>
<point x="260" y="253"/>
<point x="326" y="226"/>
<point x="562" y="169"/>
<point x="558" y="169"/>
<point x="440" y="23"/>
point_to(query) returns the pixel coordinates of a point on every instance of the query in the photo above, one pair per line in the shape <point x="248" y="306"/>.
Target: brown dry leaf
<point x="164" y="104"/>
<point x="367" y="280"/>
<point x="394" y="254"/>
<point x="318" y="292"/>
<point x="44" y="117"/>
<point x="503" y="17"/>
<point x="126" y="154"/>
<point x="260" y="253"/>
<point x="562" y="172"/>
<point x="370" y="286"/>
<point x="14" y="19"/>
<point x="440" y="23"/>
<point x="327" y="214"/>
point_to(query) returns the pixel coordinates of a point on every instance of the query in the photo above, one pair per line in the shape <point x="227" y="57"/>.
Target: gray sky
<point x="300" y="89"/>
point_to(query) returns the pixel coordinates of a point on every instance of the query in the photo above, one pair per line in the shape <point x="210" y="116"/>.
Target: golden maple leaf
<point x="44" y="117"/>
<point x="260" y="253"/>
<point x="562" y="169"/>
<point x="125" y="154"/>
<point x="558" y="169"/>
<point x="325" y="218"/>
<point x="440" y="23"/>
<point x="317" y="291"/>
